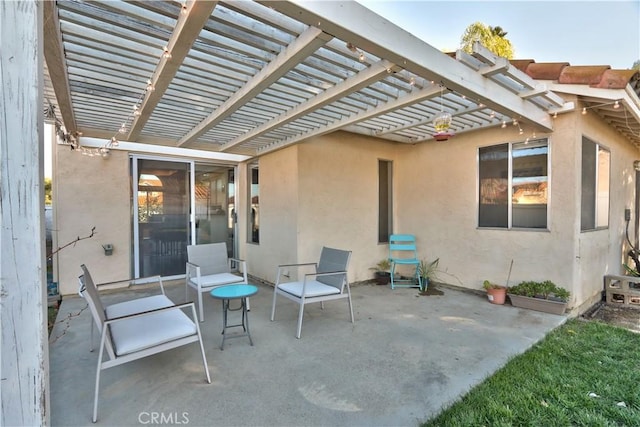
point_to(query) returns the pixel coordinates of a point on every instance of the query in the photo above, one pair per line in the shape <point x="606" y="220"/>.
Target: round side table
<point x="226" y="294"/>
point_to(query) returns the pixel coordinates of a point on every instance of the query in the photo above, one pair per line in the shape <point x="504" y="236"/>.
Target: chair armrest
<point x="297" y="265"/>
<point x="326" y="273"/>
<point x="133" y="282"/>
<point x="191" y="267"/>
<point x="242" y="262"/>
<point x="149" y="312"/>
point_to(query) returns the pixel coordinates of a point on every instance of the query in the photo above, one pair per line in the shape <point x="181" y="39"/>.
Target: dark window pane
<point x="384" y="201"/>
<point x="493" y="192"/>
<point x="588" y="202"/>
<point x="529" y="185"/>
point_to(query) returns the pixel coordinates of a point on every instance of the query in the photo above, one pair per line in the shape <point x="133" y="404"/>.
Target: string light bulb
<point x="584" y="110"/>
<point x="150" y="86"/>
<point x="504" y="124"/>
<point x="616" y="105"/>
<point x="166" y="53"/>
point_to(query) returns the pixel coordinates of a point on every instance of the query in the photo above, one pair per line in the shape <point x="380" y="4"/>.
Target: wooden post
<point x="23" y="304"/>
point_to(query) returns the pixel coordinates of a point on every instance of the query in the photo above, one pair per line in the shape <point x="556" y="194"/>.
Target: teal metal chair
<point x="402" y="251"/>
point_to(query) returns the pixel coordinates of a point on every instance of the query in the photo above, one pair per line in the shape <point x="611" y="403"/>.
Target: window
<point x="512" y="185"/>
<point x="385" y="224"/>
<point x="254" y="203"/>
<point x="596" y="165"/>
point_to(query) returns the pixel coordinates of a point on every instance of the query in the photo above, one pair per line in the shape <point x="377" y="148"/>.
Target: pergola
<point x="250" y="77"/>
<point x="233" y="78"/>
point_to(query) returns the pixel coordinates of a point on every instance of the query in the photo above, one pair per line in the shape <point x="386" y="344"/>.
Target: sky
<point x="577" y="32"/>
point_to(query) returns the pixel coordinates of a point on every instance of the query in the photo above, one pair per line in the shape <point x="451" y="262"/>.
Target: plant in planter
<point x="496" y="294"/>
<point x="382" y="274"/>
<point x="427" y="272"/>
<point x="541" y="296"/>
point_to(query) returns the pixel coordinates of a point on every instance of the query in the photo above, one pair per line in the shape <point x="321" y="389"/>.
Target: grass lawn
<point x="581" y="374"/>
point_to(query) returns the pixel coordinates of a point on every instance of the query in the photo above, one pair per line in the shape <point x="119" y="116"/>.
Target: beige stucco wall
<point x="92" y="192"/>
<point x="320" y="193"/>
<point x="440" y="208"/>
<point x="601" y="251"/>
<point x="279" y="217"/>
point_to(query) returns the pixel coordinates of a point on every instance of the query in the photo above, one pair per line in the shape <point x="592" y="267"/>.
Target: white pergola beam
<point x="402" y="102"/>
<point x="352" y="84"/>
<point x="307" y="43"/>
<point x="352" y="22"/>
<point x="56" y="64"/>
<point x="187" y="29"/>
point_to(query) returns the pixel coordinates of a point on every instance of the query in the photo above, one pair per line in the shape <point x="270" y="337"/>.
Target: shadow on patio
<point x="405" y="358"/>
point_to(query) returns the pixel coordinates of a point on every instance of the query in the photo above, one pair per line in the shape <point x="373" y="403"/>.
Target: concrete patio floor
<point x="404" y="359"/>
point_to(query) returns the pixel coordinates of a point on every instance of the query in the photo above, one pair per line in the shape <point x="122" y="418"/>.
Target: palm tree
<point x="493" y="38"/>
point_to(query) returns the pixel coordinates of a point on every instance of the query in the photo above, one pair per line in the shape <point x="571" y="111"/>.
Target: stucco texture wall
<point x="279" y="195"/>
<point x="603" y="251"/>
<point x="92" y="192"/>
<point x="323" y="192"/>
<point x="438" y="203"/>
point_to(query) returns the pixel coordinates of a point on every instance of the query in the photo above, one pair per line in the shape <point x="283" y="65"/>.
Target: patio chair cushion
<point x="313" y="288"/>
<point x="137" y="305"/>
<point x="216" y="280"/>
<point x="142" y="332"/>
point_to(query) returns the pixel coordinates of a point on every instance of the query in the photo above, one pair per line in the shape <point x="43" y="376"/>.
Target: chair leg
<point x="204" y="357"/>
<point x="300" y="315"/>
<point x="200" y="306"/>
<point x="91" y="338"/>
<point x="95" y="397"/>
<point x="248" y="305"/>
<point x="350" y="308"/>
<point x="393" y="269"/>
<point x="273" y="305"/>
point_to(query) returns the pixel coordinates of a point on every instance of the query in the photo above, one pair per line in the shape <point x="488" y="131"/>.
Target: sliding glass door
<point x="167" y="192"/>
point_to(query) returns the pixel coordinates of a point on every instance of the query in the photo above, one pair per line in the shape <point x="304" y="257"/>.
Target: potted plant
<point x="427" y="272"/>
<point x="541" y="296"/>
<point x="382" y="275"/>
<point x="496" y="294"/>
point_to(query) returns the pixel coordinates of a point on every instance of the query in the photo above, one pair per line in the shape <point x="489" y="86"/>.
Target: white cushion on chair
<point x="313" y="288"/>
<point x="137" y="305"/>
<point x="138" y="333"/>
<point x="216" y="280"/>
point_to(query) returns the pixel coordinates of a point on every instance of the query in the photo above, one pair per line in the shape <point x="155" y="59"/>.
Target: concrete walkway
<point x="404" y="360"/>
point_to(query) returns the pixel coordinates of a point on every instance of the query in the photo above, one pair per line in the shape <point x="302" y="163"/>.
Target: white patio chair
<point x="150" y="326"/>
<point x="131" y="306"/>
<point x="328" y="282"/>
<point x="209" y="266"/>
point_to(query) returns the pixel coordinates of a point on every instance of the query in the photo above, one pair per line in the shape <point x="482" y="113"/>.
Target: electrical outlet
<point x="627" y="214"/>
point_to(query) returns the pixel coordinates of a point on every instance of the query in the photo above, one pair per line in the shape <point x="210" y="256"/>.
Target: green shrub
<point x="545" y="290"/>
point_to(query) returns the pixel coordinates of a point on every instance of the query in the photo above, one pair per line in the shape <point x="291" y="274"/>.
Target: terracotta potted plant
<point x="382" y="275"/>
<point x="496" y="294"/>
<point x="543" y="296"/>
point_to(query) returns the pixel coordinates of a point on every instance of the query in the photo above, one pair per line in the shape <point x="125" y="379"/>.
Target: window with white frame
<point x="513" y="185"/>
<point x="596" y="166"/>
